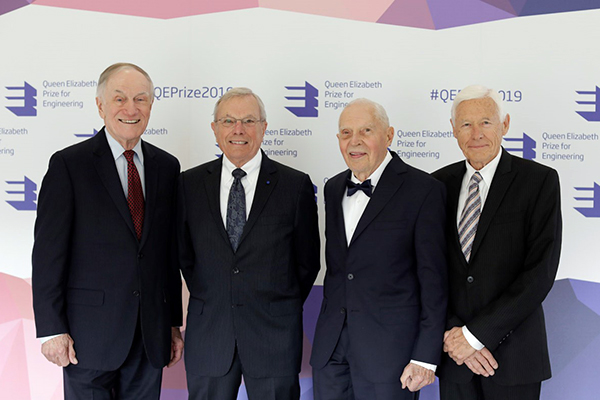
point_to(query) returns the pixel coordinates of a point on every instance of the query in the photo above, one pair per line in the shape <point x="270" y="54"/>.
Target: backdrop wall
<point x="307" y="61"/>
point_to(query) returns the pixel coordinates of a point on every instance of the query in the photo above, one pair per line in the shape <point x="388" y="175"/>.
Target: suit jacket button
<point x="470" y="279"/>
<point x="236" y="270"/>
<point x="136" y="293"/>
<point x="350" y="277"/>
<point x="343" y="310"/>
<point x="140" y="256"/>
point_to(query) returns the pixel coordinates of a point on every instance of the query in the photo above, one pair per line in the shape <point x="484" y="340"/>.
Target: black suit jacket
<point x="91" y="277"/>
<point x="253" y="297"/>
<point x="390" y="283"/>
<point x="514" y="259"/>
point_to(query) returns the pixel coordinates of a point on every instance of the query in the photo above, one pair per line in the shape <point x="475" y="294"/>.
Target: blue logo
<point x="86" y="135"/>
<point x="592" y="116"/>
<point x="310" y="98"/>
<point x="29" y="196"/>
<point x="28" y="98"/>
<point x="594" y="211"/>
<point x="527" y="148"/>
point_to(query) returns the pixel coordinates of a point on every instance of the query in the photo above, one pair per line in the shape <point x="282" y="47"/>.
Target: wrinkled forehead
<point x="239" y="106"/>
<point x="358" y="116"/>
<point x="484" y="107"/>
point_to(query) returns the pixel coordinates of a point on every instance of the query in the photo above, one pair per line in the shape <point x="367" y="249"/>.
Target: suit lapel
<point x="453" y="188"/>
<point x="502" y="179"/>
<point x="336" y="193"/>
<point x="151" y="177"/>
<point x="105" y="166"/>
<point x="267" y="180"/>
<point x="212" y="185"/>
<point x="391" y="180"/>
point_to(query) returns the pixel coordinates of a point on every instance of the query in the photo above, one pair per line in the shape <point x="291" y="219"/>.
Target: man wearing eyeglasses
<point x="249" y="252"/>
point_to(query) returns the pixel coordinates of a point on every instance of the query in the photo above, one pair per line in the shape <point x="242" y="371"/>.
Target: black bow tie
<point x="366" y="187"/>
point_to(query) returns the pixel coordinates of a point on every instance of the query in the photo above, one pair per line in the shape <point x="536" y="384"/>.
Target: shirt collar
<point x="376" y="175"/>
<point x="117" y="150"/>
<point x="487" y="172"/>
<point x="250" y="167"/>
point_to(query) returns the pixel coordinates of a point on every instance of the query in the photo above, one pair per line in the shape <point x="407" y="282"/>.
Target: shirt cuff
<point x="44" y="339"/>
<point x="476" y="344"/>
<point x="424" y="365"/>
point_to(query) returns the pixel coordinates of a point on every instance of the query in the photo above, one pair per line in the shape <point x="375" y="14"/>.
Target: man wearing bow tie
<point x="380" y="331"/>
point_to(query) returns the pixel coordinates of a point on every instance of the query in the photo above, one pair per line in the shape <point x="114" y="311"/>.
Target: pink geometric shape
<point x="369" y="11"/>
<point x="15" y="298"/>
<point x="408" y="13"/>
<point x="8" y="334"/>
<point x="14" y="377"/>
<point x="162" y="9"/>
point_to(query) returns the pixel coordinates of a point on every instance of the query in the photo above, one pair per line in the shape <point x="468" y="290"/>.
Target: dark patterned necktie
<point x="135" y="196"/>
<point x="365" y="187"/>
<point x="236" y="209"/>
<point x="469" y="219"/>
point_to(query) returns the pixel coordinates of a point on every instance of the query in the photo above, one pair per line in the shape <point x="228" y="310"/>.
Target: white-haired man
<point x="504" y="238"/>
<point x="379" y="334"/>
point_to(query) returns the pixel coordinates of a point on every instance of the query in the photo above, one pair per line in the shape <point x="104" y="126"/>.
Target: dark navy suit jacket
<point x="251" y="298"/>
<point x="91" y="276"/>
<point x="390" y="283"/>
<point x="513" y="263"/>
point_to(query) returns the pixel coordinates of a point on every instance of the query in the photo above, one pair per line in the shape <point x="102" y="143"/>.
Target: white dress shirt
<point x="252" y="169"/>
<point x="487" y="174"/>
<point x="353" y="208"/>
<point x="121" y="162"/>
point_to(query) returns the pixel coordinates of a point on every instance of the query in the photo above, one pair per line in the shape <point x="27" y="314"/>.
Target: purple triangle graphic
<point x="7" y="6"/>
<point x="446" y="14"/>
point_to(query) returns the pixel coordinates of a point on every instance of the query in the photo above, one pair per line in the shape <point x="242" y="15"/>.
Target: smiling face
<point x="479" y="131"/>
<point x="239" y="143"/>
<point x="125" y="105"/>
<point x="363" y="139"/>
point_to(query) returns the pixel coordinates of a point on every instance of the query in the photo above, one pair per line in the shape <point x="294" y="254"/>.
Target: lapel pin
<point x="268" y="182"/>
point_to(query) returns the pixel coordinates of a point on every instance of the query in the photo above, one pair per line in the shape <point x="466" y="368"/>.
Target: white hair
<point x="478" y="92"/>
<point x="241" y="92"/>
<point x="378" y="109"/>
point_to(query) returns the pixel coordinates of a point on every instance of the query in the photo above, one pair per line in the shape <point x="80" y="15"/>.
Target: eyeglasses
<point x="228" y="122"/>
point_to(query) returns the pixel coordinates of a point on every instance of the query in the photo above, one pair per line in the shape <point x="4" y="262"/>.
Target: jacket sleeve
<point x="51" y="255"/>
<point x="529" y="289"/>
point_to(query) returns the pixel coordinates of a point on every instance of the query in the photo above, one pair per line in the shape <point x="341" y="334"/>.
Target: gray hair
<point x="478" y="92"/>
<point x="113" y="69"/>
<point x="240" y="92"/>
<point x="378" y="109"/>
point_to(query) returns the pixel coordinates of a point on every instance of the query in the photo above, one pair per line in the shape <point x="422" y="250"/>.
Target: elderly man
<point x="504" y="237"/>
<point x="106" y="289"/>
<point x="249" y="252"/>
<point x="379" y="334"/>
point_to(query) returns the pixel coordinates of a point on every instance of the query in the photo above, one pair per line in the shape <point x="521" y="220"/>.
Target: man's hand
<point x="60" y="351"/>
<point x="176" y="347"/>
<point x="482" y="362"/>
<point x="414" y="377"/>
<point x="456" y="345"/>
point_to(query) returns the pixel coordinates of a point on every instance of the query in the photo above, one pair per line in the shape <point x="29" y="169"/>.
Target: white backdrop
<point x="541" y="61"/>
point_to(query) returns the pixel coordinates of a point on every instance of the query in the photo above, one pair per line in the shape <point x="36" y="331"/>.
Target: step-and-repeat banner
<point x="307" y="60"/>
